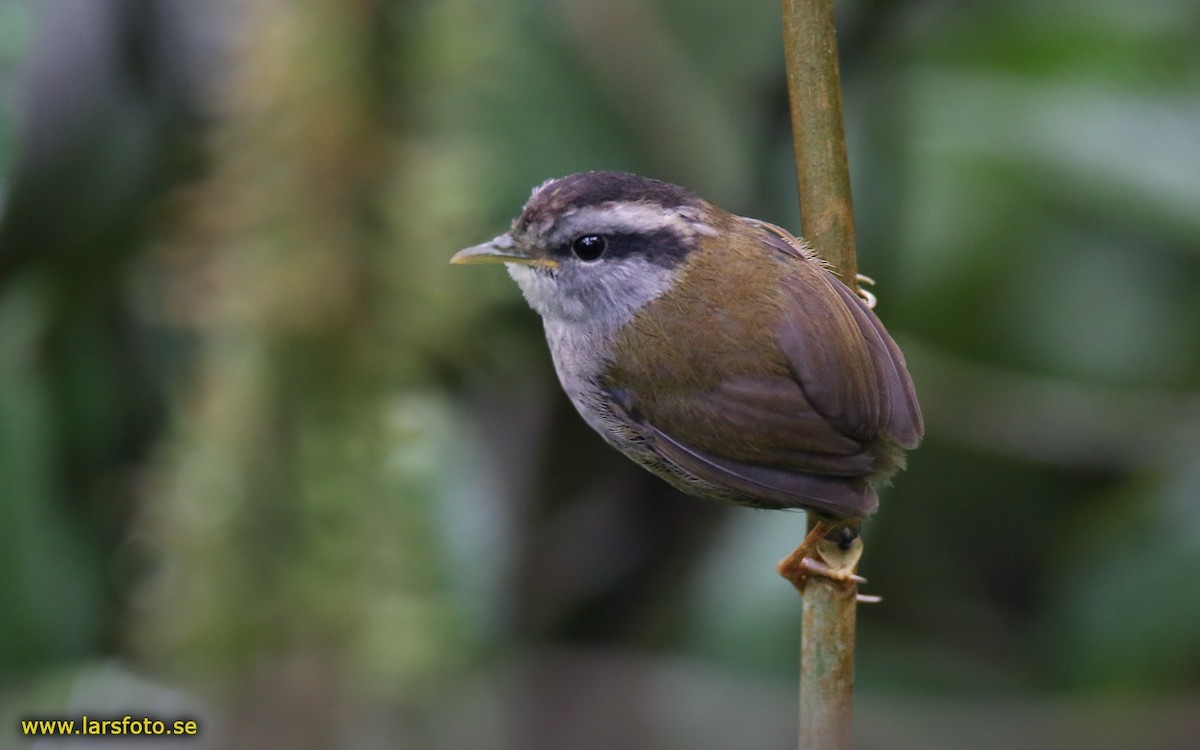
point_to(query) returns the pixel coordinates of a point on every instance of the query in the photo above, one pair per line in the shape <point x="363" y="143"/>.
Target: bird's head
<point x="595" y="247"/>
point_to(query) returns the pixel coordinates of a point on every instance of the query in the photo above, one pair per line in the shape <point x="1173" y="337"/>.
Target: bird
<point x="716" y="351"/>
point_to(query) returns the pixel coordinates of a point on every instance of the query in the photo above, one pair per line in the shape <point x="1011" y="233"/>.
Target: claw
<point x="816" y="567"/>
<point x="864" y="280"/>
<point x="827" y="551"/>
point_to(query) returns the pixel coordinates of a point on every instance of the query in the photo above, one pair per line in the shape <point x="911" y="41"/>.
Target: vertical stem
<point x="823" y="174"/>
<point x="815" y="94"/>
<point x="827" y="665"/>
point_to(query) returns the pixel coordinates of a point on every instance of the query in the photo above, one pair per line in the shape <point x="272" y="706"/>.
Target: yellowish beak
<point x="499" y="250"/>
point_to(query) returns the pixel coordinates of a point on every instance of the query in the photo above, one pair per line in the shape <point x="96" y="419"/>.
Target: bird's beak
<point x="500" y="250"/>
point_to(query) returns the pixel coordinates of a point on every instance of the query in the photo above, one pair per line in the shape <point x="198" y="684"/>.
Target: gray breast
<point x="580" y="357"/>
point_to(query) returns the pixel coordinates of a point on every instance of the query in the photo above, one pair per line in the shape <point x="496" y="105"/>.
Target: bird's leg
<point x="829" y="550"/>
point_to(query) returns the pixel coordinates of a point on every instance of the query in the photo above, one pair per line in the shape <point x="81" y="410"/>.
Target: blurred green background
<point x="268" y="461"/>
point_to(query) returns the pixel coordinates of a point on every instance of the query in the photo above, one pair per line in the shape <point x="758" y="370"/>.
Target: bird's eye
<point x="589" y="246"/>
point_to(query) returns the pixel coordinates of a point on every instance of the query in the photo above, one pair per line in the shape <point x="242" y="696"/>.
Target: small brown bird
<point x="716" y="351"/>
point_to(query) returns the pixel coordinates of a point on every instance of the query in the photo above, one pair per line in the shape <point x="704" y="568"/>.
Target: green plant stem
<point x="827" y="665"/>
<point x="823" y="174"/>
<point x="815" y="94"/>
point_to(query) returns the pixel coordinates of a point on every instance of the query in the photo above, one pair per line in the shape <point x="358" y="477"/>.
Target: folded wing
<point x="813" y="432"/>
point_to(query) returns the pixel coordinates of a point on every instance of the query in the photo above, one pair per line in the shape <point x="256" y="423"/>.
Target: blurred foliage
<point x="266" y="459"/>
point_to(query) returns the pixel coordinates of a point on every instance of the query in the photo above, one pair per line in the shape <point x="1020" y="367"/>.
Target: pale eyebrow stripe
<point x="637" y="218"/>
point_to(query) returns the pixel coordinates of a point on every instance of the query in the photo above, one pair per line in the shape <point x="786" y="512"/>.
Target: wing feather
<point x="812" y="431"/>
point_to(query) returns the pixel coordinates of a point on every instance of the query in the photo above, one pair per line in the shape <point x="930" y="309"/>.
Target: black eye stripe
<point x="662" y="248"/>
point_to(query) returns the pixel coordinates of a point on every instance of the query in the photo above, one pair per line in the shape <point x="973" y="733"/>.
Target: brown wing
<point x="849" y="367"/>
<point x="860" y="383"/>
<point x="807" y="431"/>
<point x="773" y="488"/>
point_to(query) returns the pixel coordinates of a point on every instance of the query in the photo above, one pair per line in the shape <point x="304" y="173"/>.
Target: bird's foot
<point x="830" y="551"/>
<point x="868" y="297"/>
